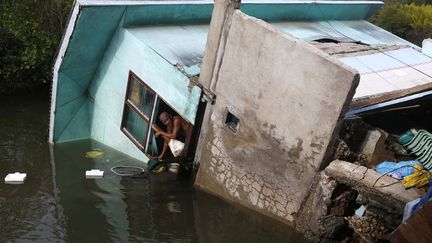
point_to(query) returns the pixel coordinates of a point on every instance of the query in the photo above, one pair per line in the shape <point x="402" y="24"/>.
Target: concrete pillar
<point x="220" y="23"/>
<point x="216" y="39"/>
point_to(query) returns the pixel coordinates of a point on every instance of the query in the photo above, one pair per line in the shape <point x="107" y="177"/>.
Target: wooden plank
<point x="418" y="228"/>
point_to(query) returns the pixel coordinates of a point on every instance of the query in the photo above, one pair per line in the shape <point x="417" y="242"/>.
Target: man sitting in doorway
<point x="176" y="128"/>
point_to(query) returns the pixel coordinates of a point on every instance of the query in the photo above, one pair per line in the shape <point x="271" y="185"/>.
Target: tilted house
<point x="265" y="85"/>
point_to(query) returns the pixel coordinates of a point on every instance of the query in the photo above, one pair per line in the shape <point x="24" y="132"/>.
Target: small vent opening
<point x="231" y="121"/>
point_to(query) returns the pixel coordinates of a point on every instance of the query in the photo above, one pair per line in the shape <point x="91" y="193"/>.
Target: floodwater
<point x="57" y="203"/>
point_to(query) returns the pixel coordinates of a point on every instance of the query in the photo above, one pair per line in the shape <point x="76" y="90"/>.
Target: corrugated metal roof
<point x="386" y="60"/>
<point x="390" y="71"/>
<point x="353" y="30"/>
<point x="409" y="56"/>
<point x="372" y="84"/>
<point x="381" y="72"/>
<point x="179" y="45"/>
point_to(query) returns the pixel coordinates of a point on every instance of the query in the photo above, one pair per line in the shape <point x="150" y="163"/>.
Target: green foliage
<point x="29" y="35"/>
<point x="409" y="21"/>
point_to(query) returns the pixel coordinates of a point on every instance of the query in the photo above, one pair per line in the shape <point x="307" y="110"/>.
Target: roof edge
<point x="169" y="2"/>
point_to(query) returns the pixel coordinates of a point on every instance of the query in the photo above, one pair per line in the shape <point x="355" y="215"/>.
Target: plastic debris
<point x="360" y="211"/>
<point x="159" y="170"/>
<point x="95" y="174"/>
<point x="421" y="146"/>
<point x="407" y="136"/>
<point x="15" y="178"/>
<point x="93" y="154"/>
<point x="424" y="199"/>
<point x="174" y="167"/>
<point x="397" y="170"/>
<point x="418" y="179"/>
<point x="176" y="147"/>
<point x="413" y="206"/>
<point x="409" y="209"/>
<point x="156" y="166"/>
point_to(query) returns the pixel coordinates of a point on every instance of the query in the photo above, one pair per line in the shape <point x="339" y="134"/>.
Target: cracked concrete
<point x="288" y="116"/>
<point x="382" y="189"/>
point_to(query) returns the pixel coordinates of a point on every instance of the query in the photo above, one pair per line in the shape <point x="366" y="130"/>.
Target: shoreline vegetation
<point x="410" y="21"/>
<point x="30" y="33"/>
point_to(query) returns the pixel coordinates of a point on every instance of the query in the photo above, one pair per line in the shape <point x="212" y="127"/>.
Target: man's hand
<point x="157" y="130"/>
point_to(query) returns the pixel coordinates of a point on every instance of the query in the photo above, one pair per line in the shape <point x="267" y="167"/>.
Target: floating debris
<point x="94" y="174"/>
<point x="15" y="178"/>
<point x="93" y="154"/>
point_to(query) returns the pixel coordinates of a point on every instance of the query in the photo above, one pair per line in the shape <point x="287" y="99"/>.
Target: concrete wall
<point x="289" y="97"/>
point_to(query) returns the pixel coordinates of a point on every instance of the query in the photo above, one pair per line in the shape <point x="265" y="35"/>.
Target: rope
<point x="122" y="170"/>
<point x="388" y="173"/>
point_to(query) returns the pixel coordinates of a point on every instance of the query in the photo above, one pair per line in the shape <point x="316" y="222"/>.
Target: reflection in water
<point x="57" y="202"/>
<point x="29" y="211"/>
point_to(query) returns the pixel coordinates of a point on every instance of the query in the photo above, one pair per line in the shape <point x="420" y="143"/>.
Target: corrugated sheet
<point x="386" y="60"/>
<point x="393" y="80"/>
<point x="409" y="56"/>
<point x="355" y="30"/>
<point x="390" y="71"/>
<point x="182" y="45"/>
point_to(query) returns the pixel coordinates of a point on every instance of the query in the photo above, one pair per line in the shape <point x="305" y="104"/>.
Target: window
<point x="137" y="112"/>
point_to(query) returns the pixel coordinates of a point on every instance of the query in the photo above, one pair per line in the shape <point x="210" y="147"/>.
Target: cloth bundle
<point x="397" y="170"/>
<point x="419" y="178"/>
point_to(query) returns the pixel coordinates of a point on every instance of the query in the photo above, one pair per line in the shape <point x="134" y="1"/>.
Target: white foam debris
<point x="94" y="174"/>
<point x="15" y="178"/>
<point x="360" y="211"/>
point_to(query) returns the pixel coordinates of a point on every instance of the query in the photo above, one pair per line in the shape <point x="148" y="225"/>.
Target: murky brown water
<point x="57" y="203"/>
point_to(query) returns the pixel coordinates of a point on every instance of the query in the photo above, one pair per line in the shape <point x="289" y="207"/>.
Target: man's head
<point x="165" y="118"/>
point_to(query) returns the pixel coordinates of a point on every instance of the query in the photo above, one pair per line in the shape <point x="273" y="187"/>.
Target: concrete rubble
<point x="350" y="182"/>
<point x="276" y="158"/>
<point x="340" y="189"/>
<point x="383" y="190"/>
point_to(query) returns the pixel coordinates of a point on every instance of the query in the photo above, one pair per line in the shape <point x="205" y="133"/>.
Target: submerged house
<point x="264" y="84"/>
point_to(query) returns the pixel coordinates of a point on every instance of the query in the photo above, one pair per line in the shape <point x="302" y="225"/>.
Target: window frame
<point x="129" y="104"/>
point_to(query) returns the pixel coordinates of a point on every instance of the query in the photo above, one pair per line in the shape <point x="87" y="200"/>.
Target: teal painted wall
<point x="164" y="14"/>
<point x="85" y="109"/>
<point x="94" y="30"/>
<point x="309" y="11"/>
<point x="107" y="92"/>
<point x="201" y="13"/>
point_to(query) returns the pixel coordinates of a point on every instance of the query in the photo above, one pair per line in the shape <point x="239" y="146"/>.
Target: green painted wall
<point x="94" y="30"/>
<point x="107" y="91"/>
<point x="309" y="11"/>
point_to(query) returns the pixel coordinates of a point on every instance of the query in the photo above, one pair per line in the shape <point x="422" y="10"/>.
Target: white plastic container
<point x="15" y="178"/>
<point x="94" y="174"/>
